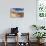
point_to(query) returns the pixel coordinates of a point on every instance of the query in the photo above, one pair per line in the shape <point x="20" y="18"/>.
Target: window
<point x="41" y="8"/>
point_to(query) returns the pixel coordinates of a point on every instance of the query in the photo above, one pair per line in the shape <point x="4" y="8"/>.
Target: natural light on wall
<point x="41" y="9"/>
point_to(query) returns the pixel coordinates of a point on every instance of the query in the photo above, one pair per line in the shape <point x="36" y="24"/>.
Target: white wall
<point x="23" y="23"/>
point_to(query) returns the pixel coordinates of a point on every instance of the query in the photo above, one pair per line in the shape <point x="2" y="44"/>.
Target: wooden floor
<point x="13" y="44"/>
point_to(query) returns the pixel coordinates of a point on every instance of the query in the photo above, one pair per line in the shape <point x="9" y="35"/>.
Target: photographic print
<point x="17" y="12"/>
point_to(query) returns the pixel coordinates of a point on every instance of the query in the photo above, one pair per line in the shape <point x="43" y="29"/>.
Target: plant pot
<point x="40" y="41"/>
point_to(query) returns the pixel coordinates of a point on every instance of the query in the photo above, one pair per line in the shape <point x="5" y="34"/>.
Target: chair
<point x="25" y="37"/>
<point x="14" y="32"/>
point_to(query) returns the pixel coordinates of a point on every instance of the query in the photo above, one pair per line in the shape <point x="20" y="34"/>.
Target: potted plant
<point x="38" y="27"/>
<point x="35" y="26"/>
<point x="39" y="36"/>
<point x="42" y="27"/>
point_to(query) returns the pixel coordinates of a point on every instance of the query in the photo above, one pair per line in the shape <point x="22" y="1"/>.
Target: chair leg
<point x="5" y="44"/>
<point x="5" y="40"/>
<point x="17" y="39"/>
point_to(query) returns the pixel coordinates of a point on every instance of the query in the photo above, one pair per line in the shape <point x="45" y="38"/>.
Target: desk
<point x="9" y="34"/>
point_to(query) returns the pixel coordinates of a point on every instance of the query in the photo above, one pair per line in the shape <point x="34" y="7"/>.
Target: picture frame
<point x="17" y="12"/>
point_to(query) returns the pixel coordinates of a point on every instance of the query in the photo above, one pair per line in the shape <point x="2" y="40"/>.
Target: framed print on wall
<point x="17" y="12"/>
